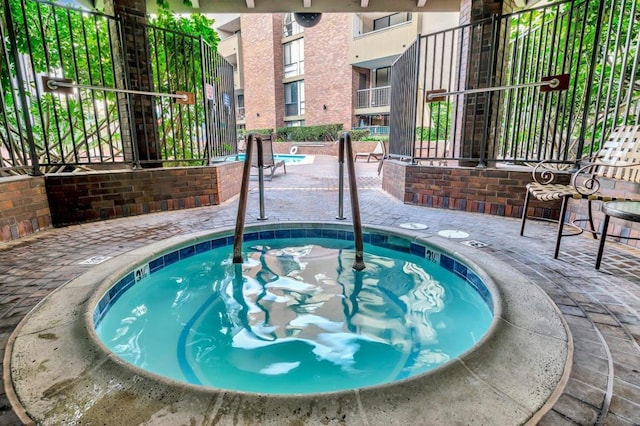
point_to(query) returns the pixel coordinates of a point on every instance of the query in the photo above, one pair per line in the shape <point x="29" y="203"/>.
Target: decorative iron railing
<point x="91" y="125"/>
<point x="596" y="42"/>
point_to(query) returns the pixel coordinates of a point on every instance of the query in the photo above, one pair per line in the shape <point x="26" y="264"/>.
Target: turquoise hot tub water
<point x="297" y="319"/>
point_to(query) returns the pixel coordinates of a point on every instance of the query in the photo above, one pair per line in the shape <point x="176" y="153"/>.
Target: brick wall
<point x="495" y="191"/>
<point x="393" y="178"/>
<point x="86" y="197"/>
<point x="491" y="191"/>
<point x="23" y="207"/>
<point x="328" y="75"/>
<point x="261" y="51"/>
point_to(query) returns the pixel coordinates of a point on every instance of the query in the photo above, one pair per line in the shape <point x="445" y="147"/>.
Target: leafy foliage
<point x="85" y="126"/>
<point x="563" y="38"/>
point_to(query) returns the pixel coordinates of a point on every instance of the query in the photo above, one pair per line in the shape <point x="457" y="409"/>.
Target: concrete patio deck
<point x="602" y="308"/>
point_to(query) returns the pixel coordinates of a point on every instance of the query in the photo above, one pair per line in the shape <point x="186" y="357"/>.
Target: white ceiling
<point x="278" y="6"/>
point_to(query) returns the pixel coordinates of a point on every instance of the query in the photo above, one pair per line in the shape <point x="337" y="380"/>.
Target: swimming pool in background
<point x="289" y="159"/>
<point x="299" y="319"/>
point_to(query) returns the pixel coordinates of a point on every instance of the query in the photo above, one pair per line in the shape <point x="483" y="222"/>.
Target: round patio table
<point x="627" y="210"/>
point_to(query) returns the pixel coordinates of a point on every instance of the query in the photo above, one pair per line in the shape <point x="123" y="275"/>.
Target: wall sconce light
<point x="257" y="114"/>
<point x="324" y="107"/>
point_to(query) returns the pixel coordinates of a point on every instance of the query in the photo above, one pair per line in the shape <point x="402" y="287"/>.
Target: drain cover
<point x="474" y="243"/>
<point x="452" y="233"/>
<point x="95" y="260"/>
<point x="413" y="226"/>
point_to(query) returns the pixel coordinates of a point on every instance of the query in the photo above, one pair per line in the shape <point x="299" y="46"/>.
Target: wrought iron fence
<point x="595" y="42"/>
<point x="91" y="125"/>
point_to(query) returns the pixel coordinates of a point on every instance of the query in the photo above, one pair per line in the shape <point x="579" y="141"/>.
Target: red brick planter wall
<point x="492" y="191"/>
<point x="86" y="197"/>
<point x="23" y="207"/>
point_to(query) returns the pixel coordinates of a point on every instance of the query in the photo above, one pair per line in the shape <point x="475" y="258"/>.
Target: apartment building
<point x="338" y="71"/>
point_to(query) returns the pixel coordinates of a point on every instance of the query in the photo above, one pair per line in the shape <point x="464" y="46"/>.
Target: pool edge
<point x="136" y="257"/>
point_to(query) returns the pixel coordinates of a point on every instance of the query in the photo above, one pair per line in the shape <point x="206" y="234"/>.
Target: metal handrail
<point x="56" y="83"/>
<point x="242" y="202"/>
<point x="345" y="149"/>
<point x="558" y="82"/>
<point x="345" y="145"/>
<point x="244" y="193"/>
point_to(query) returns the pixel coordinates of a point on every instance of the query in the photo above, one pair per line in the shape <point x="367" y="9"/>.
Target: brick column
<point x="263" y="70"/>
<point x="479" y="70"/>
<point x="142" y="121"/>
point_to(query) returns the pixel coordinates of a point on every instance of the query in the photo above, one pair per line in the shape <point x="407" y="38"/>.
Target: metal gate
<point x="107" y="115"/>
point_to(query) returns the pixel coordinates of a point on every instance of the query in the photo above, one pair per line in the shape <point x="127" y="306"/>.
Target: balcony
<point x="240" y="117"/>
<point x="377" y="97"/>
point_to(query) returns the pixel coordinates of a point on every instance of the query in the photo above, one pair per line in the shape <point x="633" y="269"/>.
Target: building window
<point x="294" y="123"/>
<point x="382" y="77"/>
<point x="294" y="58"/>
<point x="294" y="99"/>
<point x="391" y="20"/>
<point x="290" y="26"/>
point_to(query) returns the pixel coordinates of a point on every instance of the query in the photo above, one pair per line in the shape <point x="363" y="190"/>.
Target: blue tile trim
<point x="202" y="247"/>
<point x="418" y="250"/>
<point x="377" y="239"/>
<point x="156" y="264"/>
<point x="187" y="252"/>
<point x="460" y="270"/>
<point x="298" y="233"/>
<point x="267" y="235"/>
<point x="446" y="262"/>
<point x="283" y="233"/>
<point x="251" y="236"/>
<point x="170" y="258"/>
<point x="218" y="242"/>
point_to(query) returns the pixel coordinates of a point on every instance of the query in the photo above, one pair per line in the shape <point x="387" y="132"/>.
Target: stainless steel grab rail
<point x="58" y="84"/>
<point x="346" y="148"/>
<point x="548" y="84"/>
<point x="242" y="202"/>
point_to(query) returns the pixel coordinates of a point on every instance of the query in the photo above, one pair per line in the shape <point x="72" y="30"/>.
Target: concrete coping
<point x="58" y="372"/>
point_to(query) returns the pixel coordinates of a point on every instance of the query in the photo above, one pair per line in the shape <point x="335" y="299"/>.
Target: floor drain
<point x="413" y="226"/>
<point x="95" y="260"/>
<point x="452" y="233"/>
<point x="474" y="243"/>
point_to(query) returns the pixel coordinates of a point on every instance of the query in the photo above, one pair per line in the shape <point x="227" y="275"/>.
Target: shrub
<point x="327" y="132"/>
<point x="257" y="131"/>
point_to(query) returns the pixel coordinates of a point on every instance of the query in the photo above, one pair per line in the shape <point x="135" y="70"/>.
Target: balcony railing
<point x="372" y="98"/>
<point x="375" y="130"/>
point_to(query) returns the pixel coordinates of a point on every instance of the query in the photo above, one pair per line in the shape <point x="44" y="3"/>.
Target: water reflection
<point x="305" y="298"/>
<point x="293" y="320"/>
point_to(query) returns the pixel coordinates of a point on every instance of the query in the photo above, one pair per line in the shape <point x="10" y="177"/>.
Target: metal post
<point x="242" y="202"/>
<point x="358" y="263"/>
<point x="33" y="154"/>
<point x="341" y="180"/>
<point x="261" y="177"/>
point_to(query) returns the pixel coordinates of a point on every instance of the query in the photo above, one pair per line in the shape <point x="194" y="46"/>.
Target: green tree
<point x="83" y="128"/>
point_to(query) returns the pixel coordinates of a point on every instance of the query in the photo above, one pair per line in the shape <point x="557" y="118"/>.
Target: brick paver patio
<point x="602" y="308"/>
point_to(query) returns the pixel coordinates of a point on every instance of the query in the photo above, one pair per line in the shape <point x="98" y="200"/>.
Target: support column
<point x="479" y="71"/>
<point x="136" y="68"/>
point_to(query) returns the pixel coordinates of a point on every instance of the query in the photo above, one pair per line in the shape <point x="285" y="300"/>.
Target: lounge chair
<point x="377" y="153"/>
<point x="268" y="162"/>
